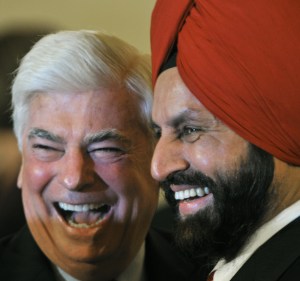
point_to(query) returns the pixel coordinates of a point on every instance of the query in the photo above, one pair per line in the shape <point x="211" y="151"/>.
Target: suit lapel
<point x="273" y="257"/>
<point x="24" y="261"/>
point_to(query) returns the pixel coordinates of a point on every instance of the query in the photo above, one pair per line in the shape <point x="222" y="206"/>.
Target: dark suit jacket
<point x="276" y="260"/>
<point x="22" y="260"/>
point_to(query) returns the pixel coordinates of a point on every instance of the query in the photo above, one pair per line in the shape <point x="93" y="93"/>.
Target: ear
<point x="20" y="177"/>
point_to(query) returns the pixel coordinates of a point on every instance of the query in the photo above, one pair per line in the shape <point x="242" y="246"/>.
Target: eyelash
<point x="190" y="134"/>
<point x="106" y="149"/>
<point x="189" y="130"/>
<point x="42" y="146"/>
<point x="181" y="132"/>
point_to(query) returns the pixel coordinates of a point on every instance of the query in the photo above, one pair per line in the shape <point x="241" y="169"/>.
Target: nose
<point x="168" y="157"/>
<point x="76" y="171"/>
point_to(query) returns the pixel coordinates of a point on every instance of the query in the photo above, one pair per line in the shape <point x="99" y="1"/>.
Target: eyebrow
<point x="174" y="122"/>
<point x="187" y="115"/>
<point x="107" y="134"/>
<point x="44" y="134"/>
<point x="181" y="118"/>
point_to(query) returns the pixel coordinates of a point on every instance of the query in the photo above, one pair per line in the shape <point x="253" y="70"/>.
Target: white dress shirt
<point x="225" y="271"/>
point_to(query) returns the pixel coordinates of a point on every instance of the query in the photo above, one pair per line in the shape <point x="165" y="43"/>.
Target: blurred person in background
<point x="13" y="46"/>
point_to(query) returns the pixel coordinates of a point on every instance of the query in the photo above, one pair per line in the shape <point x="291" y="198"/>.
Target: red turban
<point x="241" y="59"/>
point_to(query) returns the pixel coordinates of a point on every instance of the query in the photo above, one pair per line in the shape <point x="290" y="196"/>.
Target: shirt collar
<point x="225" y="271"/>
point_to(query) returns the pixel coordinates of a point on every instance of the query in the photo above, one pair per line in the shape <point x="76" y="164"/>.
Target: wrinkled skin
<point x="87" y="148"/>
<point x="196" y="150"/>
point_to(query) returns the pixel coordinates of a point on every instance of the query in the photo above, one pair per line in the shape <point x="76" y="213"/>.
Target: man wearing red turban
<point x="227" y="116"/>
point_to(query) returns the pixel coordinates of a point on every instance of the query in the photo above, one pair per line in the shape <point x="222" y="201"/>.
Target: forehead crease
<point x="189" y="114"/>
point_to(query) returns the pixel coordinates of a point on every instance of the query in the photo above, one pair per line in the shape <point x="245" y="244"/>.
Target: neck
<point x="287" y="187"/>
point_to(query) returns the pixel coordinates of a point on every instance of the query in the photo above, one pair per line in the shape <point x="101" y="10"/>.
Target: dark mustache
<point x="188" y="177"/>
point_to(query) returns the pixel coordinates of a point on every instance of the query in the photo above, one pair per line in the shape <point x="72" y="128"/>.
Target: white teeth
<point x="79" y="208"/>
<point x="189" y="193"/>
<point x="186" y="194"/>
<point x="82" y="208"/>
<point x="206" y="190"/>
<point x="193" y="193"/>
<point x="200" y="192"/>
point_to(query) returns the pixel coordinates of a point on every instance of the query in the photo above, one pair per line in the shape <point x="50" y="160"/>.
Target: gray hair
<point x="77" y="61"/>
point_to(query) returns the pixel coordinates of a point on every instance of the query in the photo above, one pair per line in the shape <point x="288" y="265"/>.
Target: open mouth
<point x="83" y="215"/>
<point x="191" y="194"/>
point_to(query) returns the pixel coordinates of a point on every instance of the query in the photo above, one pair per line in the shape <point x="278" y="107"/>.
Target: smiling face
<point x="190" y="138"/>
<point x="87" y="190"/>
<point x="217" y="182"/>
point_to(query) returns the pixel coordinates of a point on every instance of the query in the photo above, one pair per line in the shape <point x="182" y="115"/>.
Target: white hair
<point x="78" y="61"/>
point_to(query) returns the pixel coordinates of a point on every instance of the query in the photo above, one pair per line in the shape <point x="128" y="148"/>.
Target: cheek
<point x="129" y="181"/>
<point x="35" y="177"/>
<point x="215" y="155"/>
<point x="116" y="176"/>
<point x="203" y="159"/>
<point x="120" y="178"/>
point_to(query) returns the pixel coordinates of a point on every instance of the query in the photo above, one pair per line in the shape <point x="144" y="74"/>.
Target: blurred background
<point x="21" y="24"/>
<point x="128" y="19"/>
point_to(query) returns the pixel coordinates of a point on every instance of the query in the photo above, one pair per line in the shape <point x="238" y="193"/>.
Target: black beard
<point x="242" y="199"/>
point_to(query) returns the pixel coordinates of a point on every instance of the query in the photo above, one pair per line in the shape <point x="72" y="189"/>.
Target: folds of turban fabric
<point x="241" y="59"/>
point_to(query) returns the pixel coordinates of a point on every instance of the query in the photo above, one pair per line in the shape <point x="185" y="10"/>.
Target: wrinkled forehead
<point x="174" y="101"/>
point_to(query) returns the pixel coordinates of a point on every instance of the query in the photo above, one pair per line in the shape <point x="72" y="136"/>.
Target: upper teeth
<point x="79" y="208"/>
<point x="185" y="194"/>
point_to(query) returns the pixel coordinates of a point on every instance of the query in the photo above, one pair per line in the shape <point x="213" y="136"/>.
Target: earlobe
<point x="20" y="178"/>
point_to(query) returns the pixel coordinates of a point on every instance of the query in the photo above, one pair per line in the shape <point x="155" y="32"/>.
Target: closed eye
<point x="46" y="153"/>
<point x="106" y="149"/>
<point x="42" y="146"/>
<point x="107" y="154"/>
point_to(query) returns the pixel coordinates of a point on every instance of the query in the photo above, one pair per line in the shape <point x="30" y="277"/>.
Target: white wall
<point x="128" y="19"/>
